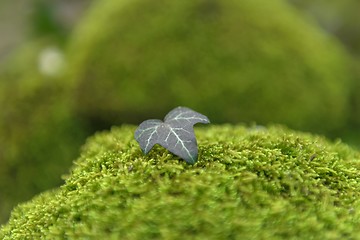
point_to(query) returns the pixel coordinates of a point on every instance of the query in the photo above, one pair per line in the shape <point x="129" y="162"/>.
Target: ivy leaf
<point x="176" y="133"/>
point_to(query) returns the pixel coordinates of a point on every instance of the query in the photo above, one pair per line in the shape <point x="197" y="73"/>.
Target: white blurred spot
<point x="51" y="61"/>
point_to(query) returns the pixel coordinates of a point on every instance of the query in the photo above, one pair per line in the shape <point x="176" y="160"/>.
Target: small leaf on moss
<point x="176" y="133"/>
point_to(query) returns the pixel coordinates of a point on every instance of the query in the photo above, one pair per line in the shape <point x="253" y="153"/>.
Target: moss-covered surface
<point x="234" y="60"/>
<point x="249" y="183"/>
<point x="39" y="134"/>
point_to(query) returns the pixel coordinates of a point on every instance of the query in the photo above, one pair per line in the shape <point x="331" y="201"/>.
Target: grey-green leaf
<point x="176" y="133"/>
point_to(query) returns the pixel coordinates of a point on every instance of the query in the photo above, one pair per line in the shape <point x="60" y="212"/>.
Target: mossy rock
<point x="248" y="183"/>
<point x="39" y="135"/>
<point x="237" y="61"/>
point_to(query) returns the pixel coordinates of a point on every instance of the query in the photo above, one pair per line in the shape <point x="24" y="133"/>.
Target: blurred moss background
<point x="340" y="19"/>
<point x="70" y="68"/>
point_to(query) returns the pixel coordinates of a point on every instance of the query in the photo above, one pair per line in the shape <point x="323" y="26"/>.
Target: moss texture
<point x="249" y="183"/>
<point x="235" y="60"/>
<point x="39" y="135"/>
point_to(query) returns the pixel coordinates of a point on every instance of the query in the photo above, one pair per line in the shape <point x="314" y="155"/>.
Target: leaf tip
<point x="191" y="161"/>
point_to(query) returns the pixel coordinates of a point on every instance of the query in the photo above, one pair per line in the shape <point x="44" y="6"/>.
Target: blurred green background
<point x="70" y="68"/>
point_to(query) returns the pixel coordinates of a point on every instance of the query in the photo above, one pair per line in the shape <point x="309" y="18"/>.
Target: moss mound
<point x="235" y="60"/>
<point x="251" y="183"/>
<point x="39" y="135"/>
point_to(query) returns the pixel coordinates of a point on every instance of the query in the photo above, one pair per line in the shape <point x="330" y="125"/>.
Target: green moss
<point x="39" y="135"/>
<point x="249" y="183"/>
<point x="234" y="60"/>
